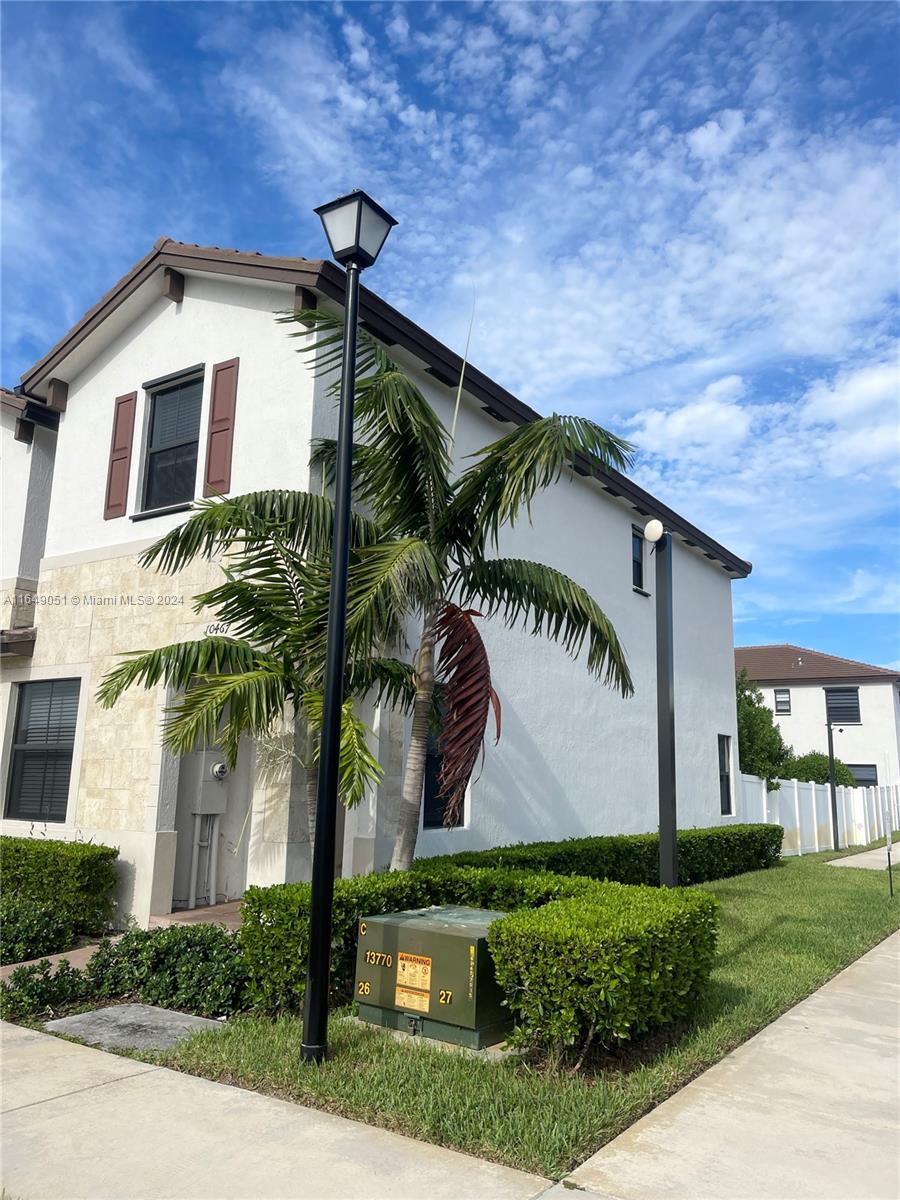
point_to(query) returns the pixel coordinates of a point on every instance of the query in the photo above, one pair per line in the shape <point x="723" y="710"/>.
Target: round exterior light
<point x="356" y="228"/>
<point x="653" y="530"/>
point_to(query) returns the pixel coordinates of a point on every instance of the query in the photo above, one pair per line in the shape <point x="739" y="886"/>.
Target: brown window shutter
<point x="120" y="456"/>
<point x="221" y="428"/>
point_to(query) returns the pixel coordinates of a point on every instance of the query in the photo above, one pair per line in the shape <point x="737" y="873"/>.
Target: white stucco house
<point x="180" y="383"/>
<point x="805" y="688"/>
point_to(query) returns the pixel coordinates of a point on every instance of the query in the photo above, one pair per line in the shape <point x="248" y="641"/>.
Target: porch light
<point x="356" y="228"/>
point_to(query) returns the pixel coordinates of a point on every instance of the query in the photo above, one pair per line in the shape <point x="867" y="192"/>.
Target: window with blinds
<point x="783" y="701"/>
<point x="865" y="774"/>
<point x="171" y="467"/>
<point x="725" y="801"/>
<point x="842" y="705"/>
<point x="42" y="750"/>
<point x="637" y="559"/>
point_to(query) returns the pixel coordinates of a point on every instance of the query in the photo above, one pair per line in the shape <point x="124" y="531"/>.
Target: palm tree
<point x="424" y="556"/>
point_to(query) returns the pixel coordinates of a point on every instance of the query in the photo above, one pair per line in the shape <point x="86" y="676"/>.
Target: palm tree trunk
<point x="312" y="787"/>
<point x="414" y="775"/>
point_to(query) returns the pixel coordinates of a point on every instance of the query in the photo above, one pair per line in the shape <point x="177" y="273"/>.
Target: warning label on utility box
<point x="413" y="982"/>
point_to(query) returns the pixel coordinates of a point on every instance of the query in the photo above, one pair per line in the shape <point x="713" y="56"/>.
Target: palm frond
<point x="326" y="331"/>
<point x="301" y="520"/>
<point x="358" y="766"/>
<point x="465" y="673"/>
<point x="509" y="472"/>
<point x="555" y="606"/>
<point x="388" y="681"/>
<point x="220" y="709"/>
<point x="177" y="665"/>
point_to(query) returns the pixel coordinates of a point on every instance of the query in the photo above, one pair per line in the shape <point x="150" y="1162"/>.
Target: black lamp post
<point x="835" y="838"/>
<point x="655" y="533"/>
<point x="356" y="228"/>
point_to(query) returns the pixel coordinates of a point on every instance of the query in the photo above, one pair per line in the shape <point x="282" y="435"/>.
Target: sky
<point x="679" y="220"/>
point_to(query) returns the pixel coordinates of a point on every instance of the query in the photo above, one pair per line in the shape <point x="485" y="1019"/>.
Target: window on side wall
<point x="637" y="558"/>
<point x="43" y="741"/>
<point x="433" y="800"/>
<point x="173" y="434"/>
<point x="865" y="774"/>
<point x="783" y="702"/>
<point x="725" y="800"/>
<point x="842" y="705"/>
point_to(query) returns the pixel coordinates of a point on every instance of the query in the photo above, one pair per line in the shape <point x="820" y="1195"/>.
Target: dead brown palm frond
<point x="465" y="674"/>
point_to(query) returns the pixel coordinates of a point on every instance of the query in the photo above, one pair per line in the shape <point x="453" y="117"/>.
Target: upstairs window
<point x="783" y="701"/>
<point x="174" y="432"/>
<point x="842" y="705"/>
<point x="637" y="558"/>
<point x="42" y="750"/>
<point x="866" y="775"/>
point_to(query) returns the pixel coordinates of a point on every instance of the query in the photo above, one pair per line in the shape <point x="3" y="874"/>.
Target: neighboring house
<point x="179" y="383"/>
<point x="805" y="688"/>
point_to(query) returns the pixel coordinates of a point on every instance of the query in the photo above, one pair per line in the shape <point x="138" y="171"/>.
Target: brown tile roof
<point x="786" y="663"/>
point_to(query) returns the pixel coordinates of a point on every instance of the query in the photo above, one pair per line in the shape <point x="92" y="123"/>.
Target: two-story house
<point x="806" y="689"/>
<point x="179" y="383"/>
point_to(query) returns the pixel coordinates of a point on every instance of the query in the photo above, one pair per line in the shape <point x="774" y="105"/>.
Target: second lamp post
<point x="356" y="228"/>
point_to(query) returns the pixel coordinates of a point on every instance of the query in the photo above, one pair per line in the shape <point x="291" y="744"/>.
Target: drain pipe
<point x="195" y="862"/>
<point x="213" y="857"/>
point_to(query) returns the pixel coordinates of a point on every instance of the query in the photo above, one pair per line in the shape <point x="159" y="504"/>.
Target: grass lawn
<point x="784" y="932"/>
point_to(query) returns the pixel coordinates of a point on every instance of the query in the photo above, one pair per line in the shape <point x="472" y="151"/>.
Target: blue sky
<point x="680" y="220"/>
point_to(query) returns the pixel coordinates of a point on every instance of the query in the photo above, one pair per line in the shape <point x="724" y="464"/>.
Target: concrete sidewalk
<point x="81" y="1124"/>
<point x="810" y="1107"/>
<point x="869" y="860"/>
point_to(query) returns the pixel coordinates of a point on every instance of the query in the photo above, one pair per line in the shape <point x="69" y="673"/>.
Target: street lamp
<point x="356" y="228"/>
<point x="835" y="839"/>
<point x="655" y="533"/>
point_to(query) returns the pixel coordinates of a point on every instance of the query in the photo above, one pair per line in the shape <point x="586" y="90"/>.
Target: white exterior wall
<point x="574" y="757"/>
<point x="875" y="740"/>
<point x="216" y="321"/>
<point x="26" y="474"/>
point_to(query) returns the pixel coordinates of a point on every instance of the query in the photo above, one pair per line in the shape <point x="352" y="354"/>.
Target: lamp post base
<point x="314" y="1054"/>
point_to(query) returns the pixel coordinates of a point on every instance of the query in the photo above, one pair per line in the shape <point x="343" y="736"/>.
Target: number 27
<point x="445" y="997"/>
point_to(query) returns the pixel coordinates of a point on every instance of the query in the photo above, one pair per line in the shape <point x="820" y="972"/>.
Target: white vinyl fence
<point x="804" y="809"/>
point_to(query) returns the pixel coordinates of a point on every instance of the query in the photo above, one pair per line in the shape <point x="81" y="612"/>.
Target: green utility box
<point x="429" y="971"/>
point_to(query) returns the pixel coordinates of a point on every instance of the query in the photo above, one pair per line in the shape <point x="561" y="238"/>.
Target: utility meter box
<point x="429" y="971"/>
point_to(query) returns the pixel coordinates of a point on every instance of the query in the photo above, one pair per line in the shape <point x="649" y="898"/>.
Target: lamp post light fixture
<point x="356" y="228"/>
<point x="658" y="535"/>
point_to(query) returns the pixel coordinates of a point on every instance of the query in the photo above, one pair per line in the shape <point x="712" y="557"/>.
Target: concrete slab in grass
<point x="869" y="860"/>
<point x="131" y="1027"/>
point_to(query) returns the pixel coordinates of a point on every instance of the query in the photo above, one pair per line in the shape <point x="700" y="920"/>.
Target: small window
<point x="783" y="701"/>
<point x="171" y="469"/>
<point x="865" y="775"/>
<point x="42" y="750"/>
<point x="725" y="774"/>
<point x="637" y="558"/>
<point x="433" y="801"/>
<point x="842" y="705"/>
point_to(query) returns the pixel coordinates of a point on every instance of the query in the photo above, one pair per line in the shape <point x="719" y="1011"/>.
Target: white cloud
<point x="717" y="137"/>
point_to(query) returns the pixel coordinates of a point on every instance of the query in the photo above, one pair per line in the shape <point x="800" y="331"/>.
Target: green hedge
<point x="703" y="854"/>
<point x="29" y="929"/>
<point x="73" y="879"/>
<point x="612" y="963"/>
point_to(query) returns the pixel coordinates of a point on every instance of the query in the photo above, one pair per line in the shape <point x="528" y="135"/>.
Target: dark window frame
<point x="783" y="693"/>
<point x="726" y="795"/>
<point x="166" y="386"/>
<point x="835" y="717"/>
<point x="21" y="750"/>
<point x="637" y="558"/>
<point x="873" y="767"/>
<point x="433" y="804"/>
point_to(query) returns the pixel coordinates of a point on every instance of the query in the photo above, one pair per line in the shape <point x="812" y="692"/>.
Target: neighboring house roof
<point x="795" y="664"/>
<point x="10" y="400"/>
<point x="385" y="322"/>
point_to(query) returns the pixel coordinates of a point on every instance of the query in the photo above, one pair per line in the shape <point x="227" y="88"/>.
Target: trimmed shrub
<point x="274" y="931"/>
<point x="703" y="854"/>
<point x="605" y="966"/>
<point x="196" y="968"/>
<point x="37" y="991"/>
<point x="29" y="929"/>
<point x="73" y="878"/>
